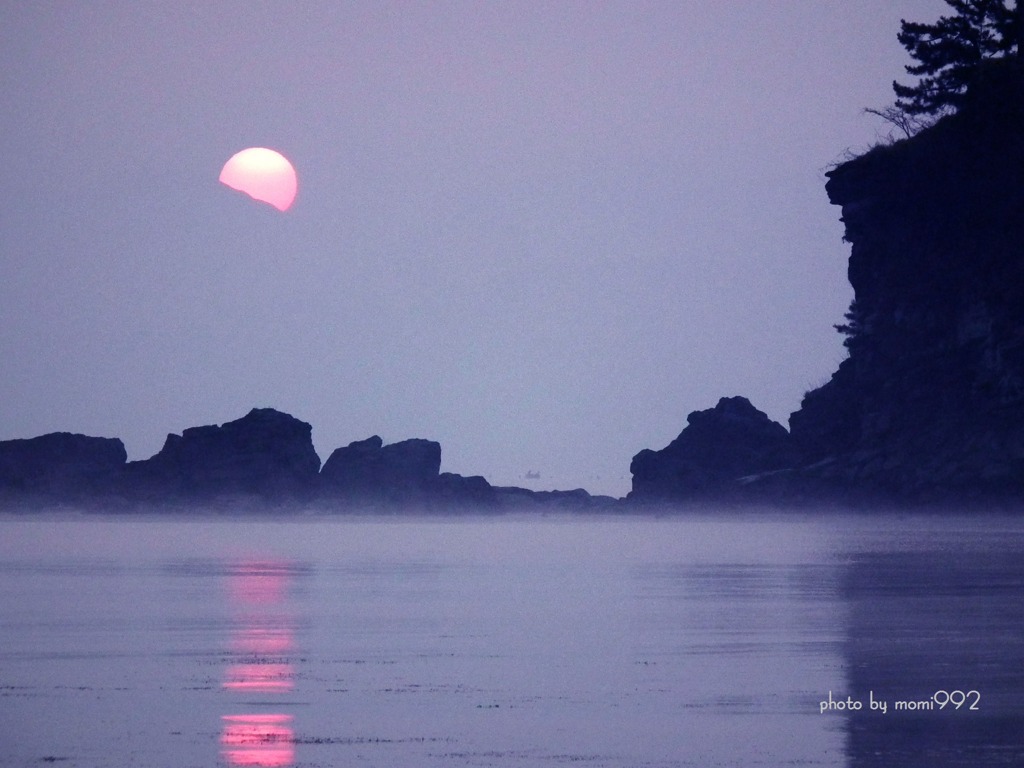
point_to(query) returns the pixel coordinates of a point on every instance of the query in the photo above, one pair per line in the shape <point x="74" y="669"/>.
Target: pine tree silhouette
<point x="954" y="52"/>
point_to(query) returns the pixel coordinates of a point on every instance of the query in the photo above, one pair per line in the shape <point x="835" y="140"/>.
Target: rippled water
<point x="510" y="642"/>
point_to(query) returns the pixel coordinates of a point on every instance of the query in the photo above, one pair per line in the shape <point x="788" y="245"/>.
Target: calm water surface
<point x="693" y="641"/>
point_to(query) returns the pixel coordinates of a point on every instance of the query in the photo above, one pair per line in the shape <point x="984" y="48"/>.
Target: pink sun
<point x="264" y="175"/>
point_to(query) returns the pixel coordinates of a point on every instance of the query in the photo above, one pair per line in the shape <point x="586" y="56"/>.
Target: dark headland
<point x="927" y="408"/>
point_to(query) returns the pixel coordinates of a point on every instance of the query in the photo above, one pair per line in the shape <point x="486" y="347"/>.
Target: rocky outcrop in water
<point x="406" y="473"/>
<point x="368" y="467"/>
<point x="265" y="454"/>
<point x="265" y="459"/>
<point x="59" y="467"/>
<point x="369" y="474"/>
<point x="576" y="500"/>
<point x="718" y="447"/>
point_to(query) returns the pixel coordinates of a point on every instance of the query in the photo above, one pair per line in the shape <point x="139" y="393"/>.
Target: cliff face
<point x="930" y="403"/>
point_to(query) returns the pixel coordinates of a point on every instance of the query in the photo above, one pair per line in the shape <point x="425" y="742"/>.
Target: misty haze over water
<point x="513" y="641"/>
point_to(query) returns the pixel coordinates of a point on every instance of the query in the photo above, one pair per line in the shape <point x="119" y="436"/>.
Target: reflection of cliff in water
<point x="923" y="621"/>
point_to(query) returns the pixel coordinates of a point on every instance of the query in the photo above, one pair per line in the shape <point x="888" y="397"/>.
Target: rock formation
<point x="263" y="460"/>
<point x="706" y="462"/>
<point x="929" y="405"/>
<point x="265" y="454"/>
<point x="368" y="474"/>
<point x="59" y="467"/>
<point x="928" y="408"/>
<point x="369" y="471"/>
<point x="367" y="465"/>
<point x="453" y="491"/>
<point x="576" y="500"/>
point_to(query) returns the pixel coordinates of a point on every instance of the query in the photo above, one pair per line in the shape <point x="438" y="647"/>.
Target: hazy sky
<point x="540" y="233"/>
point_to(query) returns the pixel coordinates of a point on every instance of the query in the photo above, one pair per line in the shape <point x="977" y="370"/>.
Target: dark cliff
<point x="928" y="407"/>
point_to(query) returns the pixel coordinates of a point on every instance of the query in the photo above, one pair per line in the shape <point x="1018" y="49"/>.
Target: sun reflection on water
<point x="262" y="678"/>
<point x="259" y="662"/>
<point x="258" y="740"/>
<point x="271" y="639"/>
